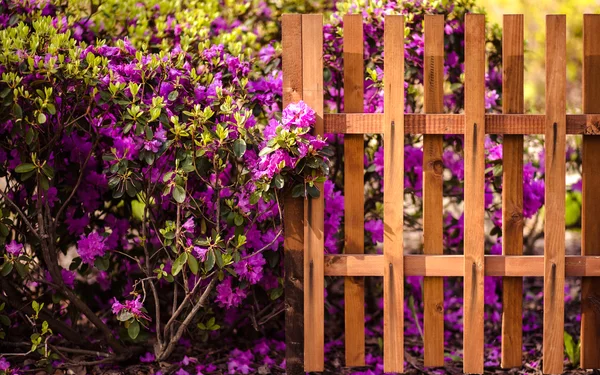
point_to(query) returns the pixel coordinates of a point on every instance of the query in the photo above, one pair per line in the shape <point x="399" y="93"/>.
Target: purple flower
<point x="251" y="268"/>
<point x="189" y="225"/>
<point x="227" y="296"/>
<point x="91" y="247"/>
<point x="200" y="253"/>
<point x="14" y="248"/>
<point x="298" y="115"/>
<point x="131" y="308"/>
<point x="4" y="364"/>
<point x="147" y="358"/>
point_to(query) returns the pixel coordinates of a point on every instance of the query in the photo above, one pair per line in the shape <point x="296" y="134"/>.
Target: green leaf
<point x="210" y="261"/>
<point x="572" y="209"/>
<point x="239" y="147"/>
<point x="24" y="168"/>
<point x="6" y="268"/>
<point x="137" y="209"/>
<point x="298" y="191"/>
<point x="179" y="194"/>
<point x="173" y="95"/>
<point x="266" y="151"/>
<point x="51" y="108"/>
<point x="102" y="263"/>
<point x="5" y="320"/>
<point x="179" y="263"/>
<point x="193" y="264"/>
<point x="41" y="118"/>
<point x="276" y="293"/>
<point x="313" y="191"/>
<point x="134" y="330"/>
<point x="278" y="181"/>
<point x="239" y="220"/>
<point x="571" y="349"/>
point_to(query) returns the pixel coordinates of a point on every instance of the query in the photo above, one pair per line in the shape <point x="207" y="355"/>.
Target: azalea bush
<point x="144" y="153"/>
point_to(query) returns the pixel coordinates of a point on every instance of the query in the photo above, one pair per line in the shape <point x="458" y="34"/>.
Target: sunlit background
<point x="535" y="36"/>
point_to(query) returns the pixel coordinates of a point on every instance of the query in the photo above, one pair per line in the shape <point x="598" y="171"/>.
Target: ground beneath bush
<point x="243" y="353"/>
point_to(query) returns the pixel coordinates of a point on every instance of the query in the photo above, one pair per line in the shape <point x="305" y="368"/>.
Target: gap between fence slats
<point x="314" y="288"/>
<point x="433" y="168"/>
<point x="512" y="190"/>
<point x="554" y="223"/>
<point x="293" y="214"/>
<point x="354" y="192"/>
<point x="453" y="265"/>
<point x="590" y="225"/>
<point x="393" y="197"/>
<point x="371" y="123"/>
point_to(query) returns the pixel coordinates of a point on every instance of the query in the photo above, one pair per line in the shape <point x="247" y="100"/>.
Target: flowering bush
<point x="143" y="151"/>
<point x="142" y="178"/>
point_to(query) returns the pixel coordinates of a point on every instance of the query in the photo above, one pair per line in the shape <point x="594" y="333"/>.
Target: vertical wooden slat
<point x="590" y="228"/>
<point x="293" y="218"/>
<point x="393" y="197"/>
<point x="474" y="192"/>
<point x="554" y="224"/>
<point x="314" y="304"/>
<point x="354" y="192"/>
<point x="433" y="168"/>
<point x="512" y="189"/>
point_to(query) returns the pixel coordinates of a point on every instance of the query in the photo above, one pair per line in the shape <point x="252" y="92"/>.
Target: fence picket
<point x="512" y="189"/>
<point x="393" y="197"/>
<point x="554" y="224"/>
<point x="433" y="168"/>
<point x="474" y="192"/>
<point x="590" y="226"/>
<point x="354" y="191"/>
<point x="293" y="219"/>
<point x="314" y="288"/>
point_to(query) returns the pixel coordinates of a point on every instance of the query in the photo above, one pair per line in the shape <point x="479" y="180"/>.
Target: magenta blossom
<point x="131" y="309"/>
<point x="14" y="248"/>
<point x="298" y="115"/>
<point x="91" y="247"/>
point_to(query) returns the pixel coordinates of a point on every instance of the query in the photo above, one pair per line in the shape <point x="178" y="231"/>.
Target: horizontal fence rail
<point x="418" y="123"/>
<point x="306" y="264"/>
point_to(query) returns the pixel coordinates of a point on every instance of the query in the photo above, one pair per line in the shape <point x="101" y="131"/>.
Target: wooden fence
<point x="305" y="262"/>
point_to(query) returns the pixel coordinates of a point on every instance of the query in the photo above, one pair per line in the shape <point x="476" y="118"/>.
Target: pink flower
<point x="227" y="296"/>
<point x="14" y="248"/>
<point x="250" y="269"/>
<point x="131" y="308"/>
<point x="298" y="115"/>
<point x="91" y="247"/>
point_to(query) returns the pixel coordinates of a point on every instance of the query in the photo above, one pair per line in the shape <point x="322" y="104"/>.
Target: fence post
<point x="314" y="279"/>
<point x="554" y="223"/>
<point x="293" y="208"/>
<point x="354" y="190"/>
<point x="590" y="226"/>
<point x="474" y="192"/>
<point x="393" y="197"/>
<point x="433" y="209"/>
<point x="512" y="189"/>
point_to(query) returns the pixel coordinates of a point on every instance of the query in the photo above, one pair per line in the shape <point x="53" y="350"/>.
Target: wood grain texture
<point x="418" y="123"/>
<point x="590" y="226"/>
<point x="433" y="168"/>
<point x="293" y="208"/>
<point x="453" y="265"/>
<point x="354" y="191"/>
<point x="474" y="192"/>
<point x="393" y="198"/>
<point x="554" y="224"/>
<point x="314" y="304"/>
<point x="512" y="190"/>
